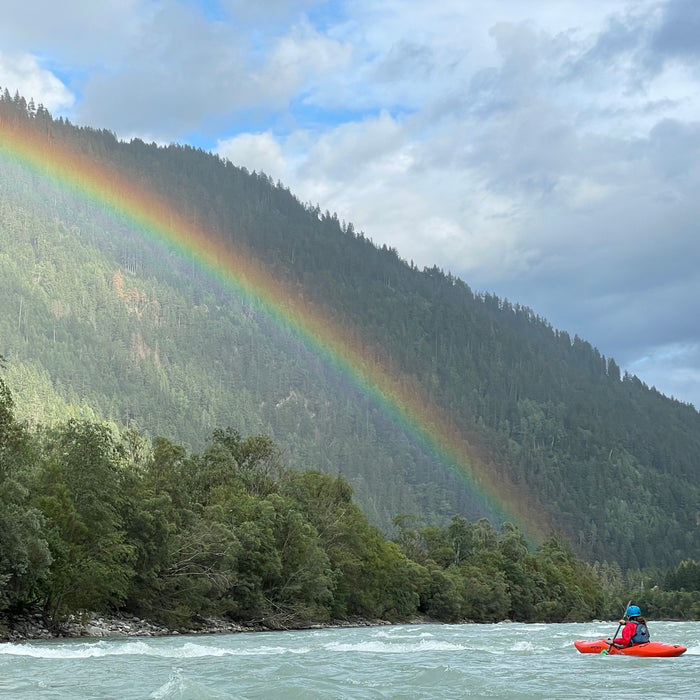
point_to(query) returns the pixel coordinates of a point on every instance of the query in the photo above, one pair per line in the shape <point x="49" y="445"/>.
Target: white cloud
<point x="671" y="369"/>
<point x="73" y="33"/>
<point x="256" y="152"/>
<point x="300" y="58"/>
<point x="22" y="73"/>
<point x="270" y="11"/>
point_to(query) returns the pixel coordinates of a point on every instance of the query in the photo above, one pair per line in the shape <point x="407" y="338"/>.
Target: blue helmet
<point x="633" y="611"/>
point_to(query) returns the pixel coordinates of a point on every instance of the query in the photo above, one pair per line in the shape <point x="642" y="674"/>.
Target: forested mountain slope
<point x="101" y="321"/>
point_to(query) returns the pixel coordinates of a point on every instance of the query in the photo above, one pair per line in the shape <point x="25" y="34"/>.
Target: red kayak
<point x="602" y="646"/>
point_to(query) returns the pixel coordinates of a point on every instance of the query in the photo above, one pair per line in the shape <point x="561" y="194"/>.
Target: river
<point x="505" y="660"/>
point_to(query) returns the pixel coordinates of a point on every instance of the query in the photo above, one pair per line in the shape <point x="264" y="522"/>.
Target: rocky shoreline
<point x="33" y="627"/>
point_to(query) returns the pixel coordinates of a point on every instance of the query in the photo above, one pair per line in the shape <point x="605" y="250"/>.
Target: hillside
<point x="105" y="320"/>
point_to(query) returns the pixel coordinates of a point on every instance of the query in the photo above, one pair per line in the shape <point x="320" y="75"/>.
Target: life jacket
<point x="641" y="634"/>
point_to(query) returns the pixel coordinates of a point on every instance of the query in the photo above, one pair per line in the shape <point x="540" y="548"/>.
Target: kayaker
<point x="635" y="629"/>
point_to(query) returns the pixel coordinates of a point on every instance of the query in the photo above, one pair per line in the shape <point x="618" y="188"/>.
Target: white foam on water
<point x="188" y="650"/>
<point x="268" y="651"/>
<point x="63" y="651"/>
<point x="389" y="634"/>
<point x="172" y="687"/>
<point x="382" y="647"/>
<point x="180" y="687"/>
<point x="529" y="646"/>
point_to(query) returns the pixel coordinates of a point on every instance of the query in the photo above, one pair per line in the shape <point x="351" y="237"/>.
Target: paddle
<point x="612" y="640"/>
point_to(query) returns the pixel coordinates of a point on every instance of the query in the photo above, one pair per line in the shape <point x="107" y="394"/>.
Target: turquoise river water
<point x="505" y="660"/>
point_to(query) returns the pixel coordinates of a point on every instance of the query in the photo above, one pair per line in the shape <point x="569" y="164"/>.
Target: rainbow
<point x="397" y="395"/>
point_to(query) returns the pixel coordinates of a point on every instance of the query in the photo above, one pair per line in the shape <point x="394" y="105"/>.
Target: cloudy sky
<point x="547" y="151"/>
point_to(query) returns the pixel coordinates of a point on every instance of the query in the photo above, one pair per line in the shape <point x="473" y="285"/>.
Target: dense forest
<point x="93" y="521"/>
<point x="105" y="326"/>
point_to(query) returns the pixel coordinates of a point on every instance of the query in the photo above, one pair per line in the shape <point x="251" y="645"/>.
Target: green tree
<point x="24" y="554"/>
<point x="372" y="577"/>
<point x="486" y="597"/>
<point x="304" y="586"/>
<point x="442" y="593"/>
<point x="79" y="490"/>
<point x="569" y="589"/>
<point x="686" y="576"/>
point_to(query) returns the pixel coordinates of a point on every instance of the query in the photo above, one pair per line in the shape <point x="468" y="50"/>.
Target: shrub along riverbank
<point x="117" y="525"/>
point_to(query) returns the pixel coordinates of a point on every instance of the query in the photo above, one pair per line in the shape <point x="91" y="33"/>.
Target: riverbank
<point x="32" y="627"/>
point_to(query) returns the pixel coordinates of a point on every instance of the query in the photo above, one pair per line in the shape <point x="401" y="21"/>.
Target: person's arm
<point x="628" y="633"/>
<point x="618" y="641"/>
